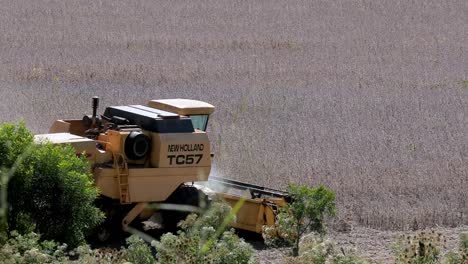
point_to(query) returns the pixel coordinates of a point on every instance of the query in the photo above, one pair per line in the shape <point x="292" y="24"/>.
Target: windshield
<point x="199" y="121"/>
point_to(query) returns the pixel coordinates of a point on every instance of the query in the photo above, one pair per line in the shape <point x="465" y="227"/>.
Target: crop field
<point x="369" y="97"/>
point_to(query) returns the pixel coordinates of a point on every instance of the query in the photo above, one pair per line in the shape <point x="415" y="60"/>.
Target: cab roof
<point x="182" y="106"/>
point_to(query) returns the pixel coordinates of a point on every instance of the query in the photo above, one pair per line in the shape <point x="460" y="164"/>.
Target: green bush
<point x="28" y="249"/>
<point x="138" y="251"/>
<point x="462" y="256"/>
<point x="316" y="249"/>
<point x="305" y="213"/>
<point x="15" y="141"/>
<point x="51" y="191"/>
<point x="202" y="241"/>
<point x="422" y="247"/>
<point x="464" y="244"/>
<point x="453" y="258"/>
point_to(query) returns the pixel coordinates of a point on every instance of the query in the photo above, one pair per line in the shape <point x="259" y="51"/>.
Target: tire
<point x="184" y="195"/>
<point x="111" y="228"/>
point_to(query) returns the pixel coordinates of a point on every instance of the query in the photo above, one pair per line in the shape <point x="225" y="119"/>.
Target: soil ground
<point x="373" y="245"/>
<point x="370" y="244"/>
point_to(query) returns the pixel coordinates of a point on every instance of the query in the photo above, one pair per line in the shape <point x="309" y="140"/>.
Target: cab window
<point x="199" y="121"/>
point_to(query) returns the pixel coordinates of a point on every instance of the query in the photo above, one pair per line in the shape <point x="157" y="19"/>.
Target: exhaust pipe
<point x="95" y="107"/>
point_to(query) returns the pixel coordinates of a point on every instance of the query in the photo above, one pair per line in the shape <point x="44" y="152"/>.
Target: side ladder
<point x="121" y="169"/>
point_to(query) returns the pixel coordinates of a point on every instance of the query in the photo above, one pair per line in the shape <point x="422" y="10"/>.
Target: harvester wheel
<point x="103" y="233"/>
<point x="111" y="227"/>
<point x="184" y="195"/>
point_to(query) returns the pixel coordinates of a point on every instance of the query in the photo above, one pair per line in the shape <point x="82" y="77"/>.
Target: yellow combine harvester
<point x="143" y="157"/>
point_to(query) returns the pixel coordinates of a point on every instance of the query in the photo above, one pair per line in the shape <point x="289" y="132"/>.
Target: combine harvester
<point x="147" y="157"/>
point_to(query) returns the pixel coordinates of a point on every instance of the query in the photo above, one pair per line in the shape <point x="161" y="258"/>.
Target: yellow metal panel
<point x="183" y="106"/>
<point x="136" y="210"/>
<point x="269" y="216"/>
<point x="255" y="213"/>
<point x="250" y="215"/>
<point x="180" y="150"/>
<point x="149" y="184"/>
<point x="73" y="126"/>
<point x="115" y="143"/>
<point x="260" y="218"/>
<point x="80" y="144"/>
<point x="59" y="126"/>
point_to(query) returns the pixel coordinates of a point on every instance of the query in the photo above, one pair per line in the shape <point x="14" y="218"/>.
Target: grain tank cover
<point x="151" y="119"/>
<point x="184" y="107"/>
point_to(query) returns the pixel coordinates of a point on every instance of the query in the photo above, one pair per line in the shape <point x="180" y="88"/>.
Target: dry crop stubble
<point x="367" y="97"/>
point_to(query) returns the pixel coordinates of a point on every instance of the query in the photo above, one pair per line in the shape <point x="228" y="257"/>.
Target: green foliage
<point x="422" y="247"/>
<point x="199" y="242"/>
<point x="462" y="256"/>
<point x="138" y="251"/>
<point x="305" y="213"/>
<point x="311" y="205"/>
<point x="316" y="249"/>
<point x="50" y="187"/>
<point x="464" y="243"/>
<point x="283" y="233"/>
<point x="453" y="258"/>
<point x="15" y="140"/>
<point x="29" y="249"/>
<point x="85" y="255"/>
